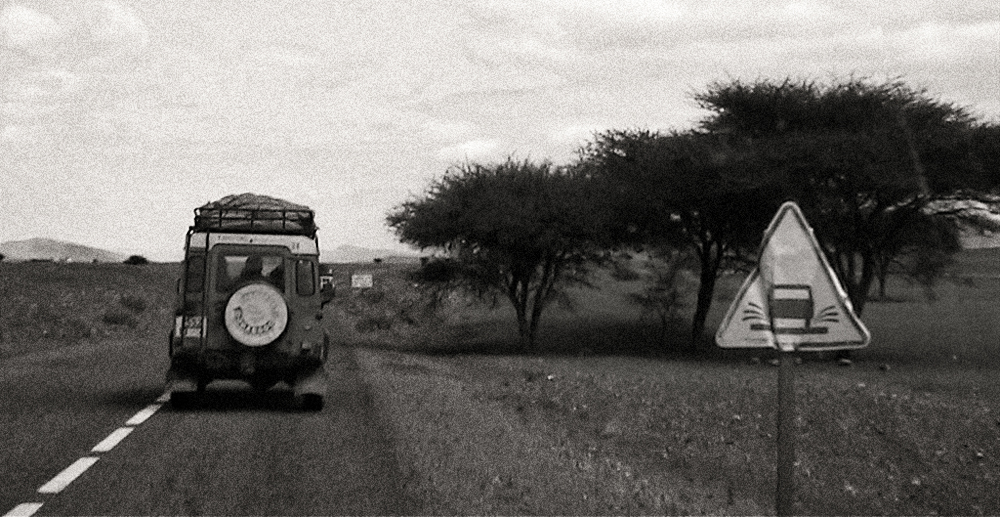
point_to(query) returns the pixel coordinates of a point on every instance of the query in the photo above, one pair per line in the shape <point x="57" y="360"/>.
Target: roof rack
<point x="256" y="214"/>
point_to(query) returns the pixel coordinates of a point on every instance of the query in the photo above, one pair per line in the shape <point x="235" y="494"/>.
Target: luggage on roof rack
<point x="257" y="214"/>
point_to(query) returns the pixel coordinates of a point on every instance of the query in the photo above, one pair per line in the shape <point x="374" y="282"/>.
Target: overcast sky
<point x="120" y="117"/>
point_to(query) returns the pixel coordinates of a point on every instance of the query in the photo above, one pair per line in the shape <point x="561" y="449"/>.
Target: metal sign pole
<point x="795" y="286"/>
<point x="786" y="434"/>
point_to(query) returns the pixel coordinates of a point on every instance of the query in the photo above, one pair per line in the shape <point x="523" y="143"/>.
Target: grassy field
<point x="610" y="419"/>
<point x="45" y="305"/>
<point x="911" y="427"/>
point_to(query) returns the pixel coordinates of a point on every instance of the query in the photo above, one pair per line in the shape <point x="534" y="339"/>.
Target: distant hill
<point x="353" y="254"/>
<point x="51" y="249"/>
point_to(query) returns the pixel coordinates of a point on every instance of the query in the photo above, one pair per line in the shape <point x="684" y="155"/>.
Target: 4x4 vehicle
<point x="249" y="302"/>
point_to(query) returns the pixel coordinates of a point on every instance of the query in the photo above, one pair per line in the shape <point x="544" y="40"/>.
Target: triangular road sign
<point x="792" y="300"/>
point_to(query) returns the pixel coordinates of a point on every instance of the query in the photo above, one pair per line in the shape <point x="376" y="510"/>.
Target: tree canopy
<point x="517" y="228"/>
<point x="694" y="189"/>
<point x="865" y="161"/>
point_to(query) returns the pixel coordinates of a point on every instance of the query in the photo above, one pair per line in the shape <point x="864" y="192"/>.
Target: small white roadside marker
<point x="23" y="510"/>
<point x="112" y="440"/>
<point x="64" y="478"/>
<point x="143" y="415"/>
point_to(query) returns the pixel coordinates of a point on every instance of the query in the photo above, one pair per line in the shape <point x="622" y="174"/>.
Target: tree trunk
<point x="709" y="257"/>
<point x="517" y="293"/>
<point x="882" y="277"/>
<point x="542" y="292"/>
<point x="864" y="284"/>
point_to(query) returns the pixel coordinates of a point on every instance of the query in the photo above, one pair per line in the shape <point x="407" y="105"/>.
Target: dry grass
<point x="912" y="427"/>
<point x="46" y="305"/>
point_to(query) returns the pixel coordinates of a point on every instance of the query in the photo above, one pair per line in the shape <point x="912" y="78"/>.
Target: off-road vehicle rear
<point x="249" y="303"/>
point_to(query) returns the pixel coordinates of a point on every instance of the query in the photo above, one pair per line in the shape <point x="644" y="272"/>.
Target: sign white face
<point x="792" y="300"/>
<point x="362" y="282"/>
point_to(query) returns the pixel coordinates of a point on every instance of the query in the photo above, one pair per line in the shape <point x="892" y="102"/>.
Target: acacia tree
<point x="517" y="228"/>
<point x="863" y="159"/>
<point x="690" y="189"/>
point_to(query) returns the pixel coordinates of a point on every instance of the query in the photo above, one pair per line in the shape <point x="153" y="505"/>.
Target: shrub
<point x="74" y="328"/>
<point x="133" y="303"/>
<point x="136" y="260"/>
<point x="119" y="317"/>
<point x="371" y="323"/>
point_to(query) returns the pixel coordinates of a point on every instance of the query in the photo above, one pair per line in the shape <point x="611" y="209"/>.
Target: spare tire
<point x="256" y="314"/>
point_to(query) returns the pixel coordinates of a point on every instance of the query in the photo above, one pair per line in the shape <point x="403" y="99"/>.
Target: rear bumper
<point x="241" y="364"/>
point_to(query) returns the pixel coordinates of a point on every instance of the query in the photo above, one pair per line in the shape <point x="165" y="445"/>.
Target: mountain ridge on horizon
<point x="42" y="248"/>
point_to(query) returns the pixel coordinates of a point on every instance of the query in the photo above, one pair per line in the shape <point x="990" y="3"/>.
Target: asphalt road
<point x="236" y="454"/>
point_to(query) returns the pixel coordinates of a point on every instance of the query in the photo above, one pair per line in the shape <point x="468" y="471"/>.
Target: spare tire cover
<point x="256" y="314"/>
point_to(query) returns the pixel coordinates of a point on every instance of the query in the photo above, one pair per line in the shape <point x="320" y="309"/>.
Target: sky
<point x="119" y="117"/>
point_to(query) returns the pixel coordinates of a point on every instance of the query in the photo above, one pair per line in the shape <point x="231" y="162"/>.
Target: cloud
<point x="26" y="29"/>
<point x="572" y="137"/>
<point x="116" y="27"/>
<point x="445" y="129"/>
<point x="16" y="135"/>
<point x="470" y="150"/>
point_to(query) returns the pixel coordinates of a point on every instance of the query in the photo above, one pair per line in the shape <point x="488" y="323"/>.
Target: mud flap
<point x="183" y="389"/>
<point x="310" y="388"/>
<point x="178" y="381"/>
<point x="311" y="382"/>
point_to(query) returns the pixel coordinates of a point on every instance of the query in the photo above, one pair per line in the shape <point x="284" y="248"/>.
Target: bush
<point x="119" y="317"/>
<point x="133" y="303"/>
<point x="136" y="260"/>
<point x="371" y="323"/>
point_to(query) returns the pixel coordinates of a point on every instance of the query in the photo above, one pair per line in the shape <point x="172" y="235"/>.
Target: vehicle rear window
<point x="305" y="274"/>
<point x="235" y="270"/>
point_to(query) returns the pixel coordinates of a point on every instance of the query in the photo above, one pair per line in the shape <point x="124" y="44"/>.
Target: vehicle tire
<point x="261" y="386"/>
<point x="183" y="399"/>
<point x="311" y="402"/>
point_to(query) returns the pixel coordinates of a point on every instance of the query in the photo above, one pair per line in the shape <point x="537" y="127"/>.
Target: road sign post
<point x="791" y="302"/>
<point x="786" y="435"/>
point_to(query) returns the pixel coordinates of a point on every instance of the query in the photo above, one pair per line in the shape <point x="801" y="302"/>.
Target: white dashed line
<point x="67" y="476"/>
<point x="23" y="510"/>
<point x="143" y="415"/>
<point x="64" y="478"/>
<point x="113" y="439"/>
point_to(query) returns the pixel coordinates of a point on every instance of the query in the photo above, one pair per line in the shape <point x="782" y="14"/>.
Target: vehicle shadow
<point x="233" y="396"/>
<point x="133" y="396"/>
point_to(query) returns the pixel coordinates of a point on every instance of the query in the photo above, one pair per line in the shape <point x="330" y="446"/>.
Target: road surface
<point x="84" y="434"/>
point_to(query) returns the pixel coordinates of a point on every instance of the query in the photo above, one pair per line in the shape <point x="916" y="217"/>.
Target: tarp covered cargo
<point x="255" y="213"/>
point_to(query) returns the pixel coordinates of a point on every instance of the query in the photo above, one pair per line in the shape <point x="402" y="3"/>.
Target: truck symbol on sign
<point x="791" y="312"/>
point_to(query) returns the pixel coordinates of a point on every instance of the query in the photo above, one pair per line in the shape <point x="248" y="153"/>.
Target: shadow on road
<point x="232" y="397"/>
<point x="132" y="396"/>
